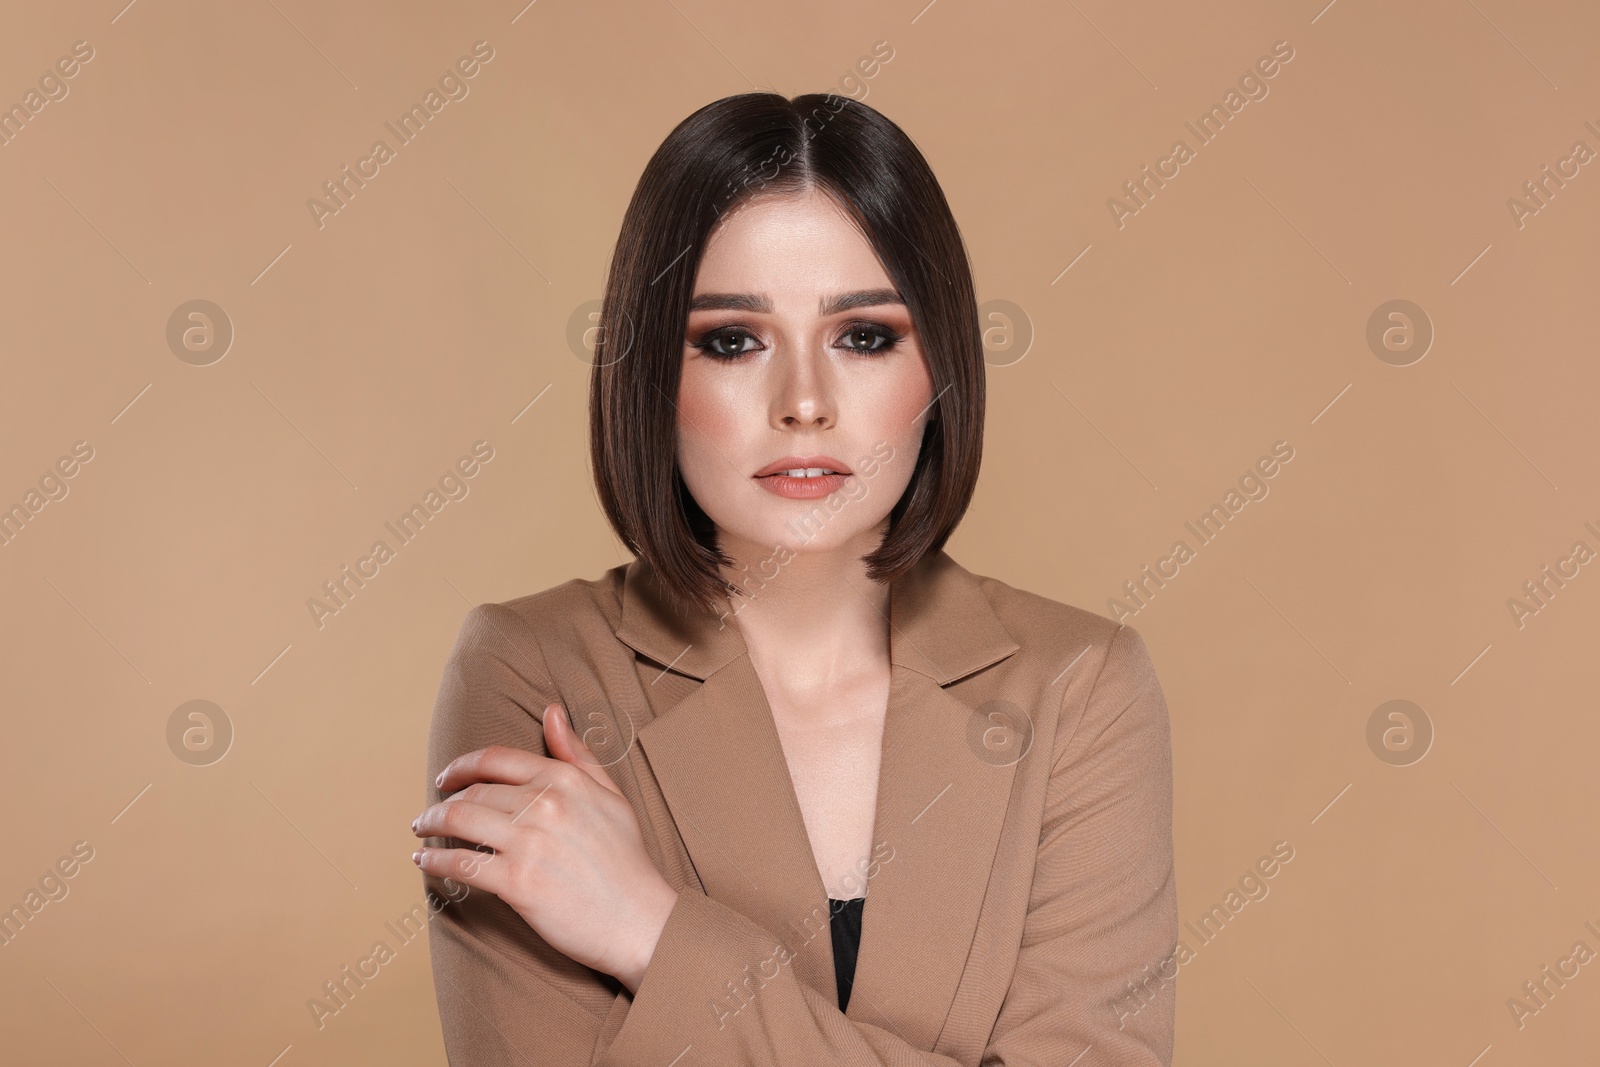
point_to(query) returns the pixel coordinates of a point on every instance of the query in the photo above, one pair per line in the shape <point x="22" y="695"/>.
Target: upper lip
<point x="791" y="463"/>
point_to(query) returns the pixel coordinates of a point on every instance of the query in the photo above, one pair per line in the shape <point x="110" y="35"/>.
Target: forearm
<point x="720" y="984"/>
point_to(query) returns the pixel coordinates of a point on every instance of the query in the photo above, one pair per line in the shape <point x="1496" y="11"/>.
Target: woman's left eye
<point x="878" y="338"/>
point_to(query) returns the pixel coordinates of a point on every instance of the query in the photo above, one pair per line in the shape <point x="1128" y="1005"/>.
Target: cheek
<point x="903" y="404"/>
<point x="708" y="418"/>
<point x="701" y="397"/>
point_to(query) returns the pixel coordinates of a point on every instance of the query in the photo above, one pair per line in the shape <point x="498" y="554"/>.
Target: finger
<point x="480" y="870"/>
<point x="563" y="743"/>
<point x="507" y="798"/>
<point x="497" y="763"/>
<point x="465" y="820"/>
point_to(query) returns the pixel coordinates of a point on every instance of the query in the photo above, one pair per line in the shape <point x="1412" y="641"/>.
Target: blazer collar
<point x="940" y="624"/>
<point x="943" y="791"/>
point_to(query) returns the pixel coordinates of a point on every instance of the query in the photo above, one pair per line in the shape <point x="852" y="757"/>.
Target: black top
<point x="845" y="925"/>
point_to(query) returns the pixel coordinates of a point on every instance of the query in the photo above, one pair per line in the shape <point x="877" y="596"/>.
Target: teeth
<point x="807" y="472"/>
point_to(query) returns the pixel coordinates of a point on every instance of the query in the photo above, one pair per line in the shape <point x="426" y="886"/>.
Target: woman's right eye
<point x="724" y="343"/>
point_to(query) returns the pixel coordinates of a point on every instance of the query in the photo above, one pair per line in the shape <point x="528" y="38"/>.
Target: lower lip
<point x="802" y="488"/>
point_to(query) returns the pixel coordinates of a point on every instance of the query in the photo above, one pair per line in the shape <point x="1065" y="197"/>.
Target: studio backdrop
<point x="1289" y="314"/>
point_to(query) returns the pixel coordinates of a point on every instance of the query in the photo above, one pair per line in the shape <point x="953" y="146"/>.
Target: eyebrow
<point x="761" y="303"/>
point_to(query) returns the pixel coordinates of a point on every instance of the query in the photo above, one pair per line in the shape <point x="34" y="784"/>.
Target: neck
<point x="814" y="620"/>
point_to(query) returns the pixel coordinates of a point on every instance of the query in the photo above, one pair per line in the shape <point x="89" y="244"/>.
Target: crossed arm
<point x="1102" y="914"/>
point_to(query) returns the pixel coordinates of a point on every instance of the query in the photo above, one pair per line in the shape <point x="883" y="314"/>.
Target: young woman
<point x="794" y="787"/>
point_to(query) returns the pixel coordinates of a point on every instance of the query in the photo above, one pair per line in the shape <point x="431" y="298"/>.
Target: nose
<point x="802" y="392"/>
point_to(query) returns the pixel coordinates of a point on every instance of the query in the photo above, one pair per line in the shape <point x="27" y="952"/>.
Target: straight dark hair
<point x="725" y="153"/>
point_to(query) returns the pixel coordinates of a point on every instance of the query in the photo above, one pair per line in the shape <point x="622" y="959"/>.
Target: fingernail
<point x="416" y="857"/>
<point x="439" y="781"/>
<point x="414" y="823"/>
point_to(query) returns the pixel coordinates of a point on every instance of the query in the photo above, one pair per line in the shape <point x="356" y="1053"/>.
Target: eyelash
<point x="891" y="339"/>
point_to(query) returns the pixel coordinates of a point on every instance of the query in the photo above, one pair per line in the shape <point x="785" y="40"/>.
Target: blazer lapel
<point x="942" y="792"/>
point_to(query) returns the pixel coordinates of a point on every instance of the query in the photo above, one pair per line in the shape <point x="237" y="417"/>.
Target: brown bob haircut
<point x="728" y="151"/>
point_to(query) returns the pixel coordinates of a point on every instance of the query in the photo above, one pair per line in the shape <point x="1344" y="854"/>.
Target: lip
<point x="789" y="463"/>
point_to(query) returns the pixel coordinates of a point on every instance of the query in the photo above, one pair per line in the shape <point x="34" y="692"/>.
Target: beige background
<point x="1230" y="313"/>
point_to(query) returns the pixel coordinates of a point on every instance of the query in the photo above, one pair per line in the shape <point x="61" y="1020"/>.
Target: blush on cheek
<point x="710" y="414"/>
<point x="900" y="414"/>
<point x="716" y="420"/>
<point x="899" y="407"/>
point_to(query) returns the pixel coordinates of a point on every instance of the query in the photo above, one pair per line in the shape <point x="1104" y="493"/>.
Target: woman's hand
<point x="568" y="853"/>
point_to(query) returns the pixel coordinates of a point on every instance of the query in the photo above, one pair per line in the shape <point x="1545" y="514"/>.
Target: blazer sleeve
<point x="1098" y="964"/>
<point x="505" y="996"/>
<point x="1102" y="923"/>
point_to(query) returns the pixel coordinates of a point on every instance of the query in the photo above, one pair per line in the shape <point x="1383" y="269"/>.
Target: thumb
<point x="564" y="744"/>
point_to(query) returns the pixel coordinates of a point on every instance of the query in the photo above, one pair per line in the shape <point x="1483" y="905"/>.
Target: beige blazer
<point x="1021" y="900"/>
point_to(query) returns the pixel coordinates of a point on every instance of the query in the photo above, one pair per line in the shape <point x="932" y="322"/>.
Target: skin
<point x="792" y="380"/>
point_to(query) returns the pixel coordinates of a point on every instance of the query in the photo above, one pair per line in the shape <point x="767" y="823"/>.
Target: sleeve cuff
<point x="707" y="962"/>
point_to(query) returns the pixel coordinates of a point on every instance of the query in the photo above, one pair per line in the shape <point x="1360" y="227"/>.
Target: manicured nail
<point x="416" y="857"/>
<point x="439" y="781"/>
<point x="414" y="823"/>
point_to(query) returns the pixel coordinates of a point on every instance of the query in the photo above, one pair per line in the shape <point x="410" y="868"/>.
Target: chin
<point x="757" y="524"/>
<point x="804" y="527"/>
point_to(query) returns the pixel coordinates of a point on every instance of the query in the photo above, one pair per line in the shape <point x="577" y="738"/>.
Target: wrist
<point x="664" y="900"/>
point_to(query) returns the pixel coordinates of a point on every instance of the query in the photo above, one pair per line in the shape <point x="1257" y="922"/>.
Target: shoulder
<point x="576" y="610"/>
<point x="1041" y="622"/>
<point x="1095" y="671"/>
<point x="1025" y="612"/>
<point x="500" y="670"/>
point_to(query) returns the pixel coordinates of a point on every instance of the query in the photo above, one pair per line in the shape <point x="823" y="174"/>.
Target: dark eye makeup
<point x="727" y="343"/>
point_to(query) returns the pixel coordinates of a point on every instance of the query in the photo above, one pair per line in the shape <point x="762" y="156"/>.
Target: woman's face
<point x="799" y="353"/>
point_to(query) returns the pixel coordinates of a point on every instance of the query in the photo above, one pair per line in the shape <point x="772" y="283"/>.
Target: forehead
<point x="798" y="245"/>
